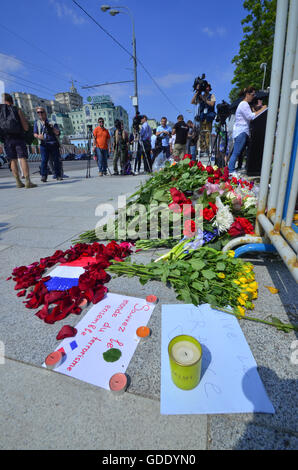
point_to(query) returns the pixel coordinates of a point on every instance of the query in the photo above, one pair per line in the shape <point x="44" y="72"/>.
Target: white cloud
<point x="171" y="79"/>
<point x="220" y="31"/>
<point x="63" y="11"/>
<point x="9" y="63"/>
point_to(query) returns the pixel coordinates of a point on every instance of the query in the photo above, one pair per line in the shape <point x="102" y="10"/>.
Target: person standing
<point x="243" y="117"/>
<point x="206" y="113"/>
<point x="47" y="134"/>
<point x="164" y="131"/>
<point x="101" y="146"/>
<point x="192" y="138"/>
<point x="120" y="149"/>
<point x="13" y="124"/>
<point x="180" y="129"/>
<point x="153" y="142"/>
<point x="144" y="147"/>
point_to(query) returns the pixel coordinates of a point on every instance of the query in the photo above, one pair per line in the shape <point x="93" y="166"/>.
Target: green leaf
<point x="198" y="286"/>
<point x="112" y="355"/>
<point x="208" y="274"/>
<point x="220" y="266"/>
<point x="197" y="264"/>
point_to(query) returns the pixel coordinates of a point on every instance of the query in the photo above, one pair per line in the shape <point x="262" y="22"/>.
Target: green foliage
<point x="256" y="46"/>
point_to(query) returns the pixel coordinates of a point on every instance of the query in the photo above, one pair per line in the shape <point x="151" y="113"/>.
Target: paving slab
<point x="54" y="412"/>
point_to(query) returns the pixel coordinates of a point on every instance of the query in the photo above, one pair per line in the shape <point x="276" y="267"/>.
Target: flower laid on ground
<point x="56" y="305"/>
<point x="226" y="203"/>
<point x="199" y="276"/>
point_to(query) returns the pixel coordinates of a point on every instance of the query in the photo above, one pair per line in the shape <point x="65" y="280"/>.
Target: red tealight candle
<point x="151" y="299"/>
<point x="118" y="383"/>
<point x="54" y="359"/>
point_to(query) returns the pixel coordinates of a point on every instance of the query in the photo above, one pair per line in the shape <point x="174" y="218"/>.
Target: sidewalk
<point x="42" y="409"/>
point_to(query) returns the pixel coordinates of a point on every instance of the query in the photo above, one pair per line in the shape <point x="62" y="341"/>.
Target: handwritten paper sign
<point x="111" y="323"/>
<point x="230" y="382"/>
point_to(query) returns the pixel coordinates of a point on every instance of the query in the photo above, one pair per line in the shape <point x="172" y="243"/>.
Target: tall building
<point x="97" y="106"/>
<point x="28" y="104"/>
<point x="71" y="99"/>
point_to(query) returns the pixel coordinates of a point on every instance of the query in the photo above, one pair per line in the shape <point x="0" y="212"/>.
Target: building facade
<point x="70" y="99"/>
<point x="97" y="106"/>
<point x="28" y="104"/>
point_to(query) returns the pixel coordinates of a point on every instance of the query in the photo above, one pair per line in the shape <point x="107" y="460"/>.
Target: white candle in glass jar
<point x="185" y="353"/>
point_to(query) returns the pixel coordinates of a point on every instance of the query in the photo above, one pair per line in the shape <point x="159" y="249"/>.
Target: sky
<point x="44" y="44"/>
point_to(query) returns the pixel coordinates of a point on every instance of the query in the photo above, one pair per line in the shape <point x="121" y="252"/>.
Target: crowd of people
<point x="160" y="143"/>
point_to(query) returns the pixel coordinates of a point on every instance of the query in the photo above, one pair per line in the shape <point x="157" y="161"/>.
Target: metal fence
<point x="275" y="230"/>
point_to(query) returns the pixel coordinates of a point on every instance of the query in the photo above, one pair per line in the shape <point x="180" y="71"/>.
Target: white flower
<point x="250" y="201"/>
<point x="224" y="218"/>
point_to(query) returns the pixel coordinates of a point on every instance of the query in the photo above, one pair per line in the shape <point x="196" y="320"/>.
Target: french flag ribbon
<point x="67" y="275"/>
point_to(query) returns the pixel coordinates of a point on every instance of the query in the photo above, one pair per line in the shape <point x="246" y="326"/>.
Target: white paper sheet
<point x="230" y="382"/>
<point x="110" y="323"/>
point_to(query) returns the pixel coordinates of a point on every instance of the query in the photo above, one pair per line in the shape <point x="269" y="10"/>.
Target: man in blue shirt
<point x="47" y="135"/>
<point x="144" y="147"/>
<point x="164" y="132"/>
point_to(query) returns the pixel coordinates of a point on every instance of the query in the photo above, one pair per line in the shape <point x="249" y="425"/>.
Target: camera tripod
<point x="219" y="159"/>
<point x="141" y="143"/>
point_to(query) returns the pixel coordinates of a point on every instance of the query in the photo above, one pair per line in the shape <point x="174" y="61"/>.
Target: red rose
<point x="209" y="170"/>
<point x="213" y="207"/>
<point x="189" y="228"/>
<point x="240" y="227"/>
<point x="208" y="214"/>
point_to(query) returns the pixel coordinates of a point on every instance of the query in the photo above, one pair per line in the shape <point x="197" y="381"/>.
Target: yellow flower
<point x="221" y="275"/>
<point x="236" y="282"/>
<point x="240" y="310"/>
<point x="244" y="296"/>
<point x="253" y="285"/>
<point x="243" y="280"/>
<point x="241" y="301"/>
<point x="231" y="253"/>
<point x="255" y="295"/>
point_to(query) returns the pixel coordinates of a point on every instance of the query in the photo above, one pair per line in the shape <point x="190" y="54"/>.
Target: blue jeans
<point x="102" y="159"/>
<point x="192" y="151"/>
<point x="50" y="151"/>
<point x="239" y="144"/>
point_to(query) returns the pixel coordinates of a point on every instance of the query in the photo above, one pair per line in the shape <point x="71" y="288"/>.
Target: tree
<point x="256" y="47"/>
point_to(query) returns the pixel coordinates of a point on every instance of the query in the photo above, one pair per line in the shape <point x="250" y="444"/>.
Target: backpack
<point x="28" y="135"/>
<point x="10" y="123"/>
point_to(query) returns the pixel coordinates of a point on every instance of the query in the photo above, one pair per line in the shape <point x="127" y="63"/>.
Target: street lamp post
<point x="114" y="12"/>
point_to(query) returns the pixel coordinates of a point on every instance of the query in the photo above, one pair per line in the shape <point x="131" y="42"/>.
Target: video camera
<point x="200" y="84"/>
<point x="137" y="121"/>
<point x="223" y="112"/>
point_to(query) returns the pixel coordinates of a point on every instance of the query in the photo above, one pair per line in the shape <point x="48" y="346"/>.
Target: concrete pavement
<point x="42" y="409"/>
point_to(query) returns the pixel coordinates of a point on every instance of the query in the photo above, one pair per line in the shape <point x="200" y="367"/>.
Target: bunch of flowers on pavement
<point x="229" y="206"/>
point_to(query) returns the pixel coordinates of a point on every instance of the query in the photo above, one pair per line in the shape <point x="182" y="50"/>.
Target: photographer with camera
<point x="163" y="134"/>
<point x="47" y="134"/>
<point x="120" y="147"/>
<point x="206" y="113"/>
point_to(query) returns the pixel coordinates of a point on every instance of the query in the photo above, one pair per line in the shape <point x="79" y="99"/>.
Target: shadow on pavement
<point x="273" y="431"/>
